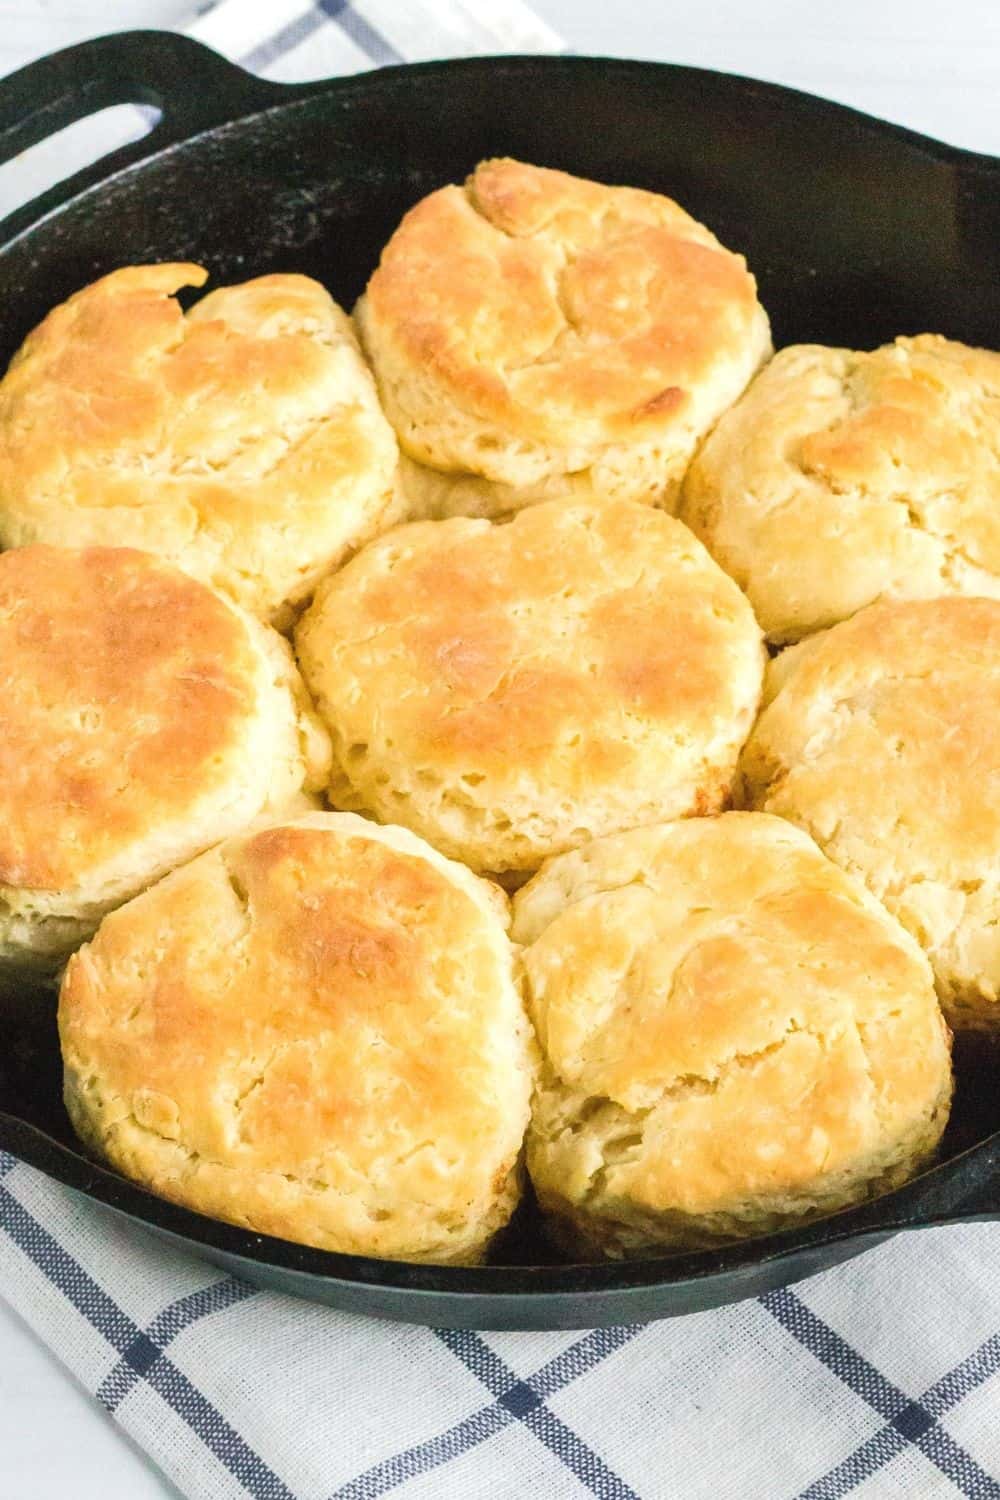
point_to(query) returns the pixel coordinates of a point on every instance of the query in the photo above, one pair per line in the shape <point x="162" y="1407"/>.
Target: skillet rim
<point x="964" y="1188"/>
<point x="252" y="97"/>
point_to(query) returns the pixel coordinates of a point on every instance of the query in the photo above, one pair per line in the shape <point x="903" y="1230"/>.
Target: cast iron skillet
<point x="856" y="230"/>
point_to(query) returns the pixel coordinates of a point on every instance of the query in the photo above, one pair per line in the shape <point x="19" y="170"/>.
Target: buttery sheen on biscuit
<point x="242" y="440"/>
<point x="313" y="1031"/>
<point x="142" y="718"/>
<point x="536" y="335"/>
<point x="509" y="691"/>
<point x="736" y="1037"/>
<point x="842" y="478"/>
<point x="882" y="739"/>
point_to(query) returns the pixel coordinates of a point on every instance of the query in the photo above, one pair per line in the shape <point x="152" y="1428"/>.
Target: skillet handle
<point x="193" y="86"/>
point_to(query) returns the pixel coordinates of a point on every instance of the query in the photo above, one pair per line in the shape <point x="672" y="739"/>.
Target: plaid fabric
<point x="878" y="1379"/>
<point x="295" y="40"/>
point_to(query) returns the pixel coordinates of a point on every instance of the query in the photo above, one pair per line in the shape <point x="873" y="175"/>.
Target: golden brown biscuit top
<point x="841" y="477"/>
<point x="881" y="738"/>
<point x="249" y="417"/>
<point x="744" y="1000"/>
<point x="561" y="305"/>
<point x="915" y="406"/>
<point x="319" y="999"/>
<point x="120" y="378"/>
<point x="127" y="687"/>
<point x="552" y="647"/>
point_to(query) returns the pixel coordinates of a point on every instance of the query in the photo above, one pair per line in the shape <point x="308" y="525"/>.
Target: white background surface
<point x="923" y="63"/>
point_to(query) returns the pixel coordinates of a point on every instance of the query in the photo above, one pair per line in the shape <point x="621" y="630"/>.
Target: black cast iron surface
<point x="856" y="231"/>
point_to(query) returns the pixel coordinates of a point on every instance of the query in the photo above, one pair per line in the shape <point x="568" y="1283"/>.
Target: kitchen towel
<point x="878" y="1379"/>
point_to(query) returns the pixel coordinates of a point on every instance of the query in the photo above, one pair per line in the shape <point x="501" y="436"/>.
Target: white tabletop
<point x="931" y="66"/>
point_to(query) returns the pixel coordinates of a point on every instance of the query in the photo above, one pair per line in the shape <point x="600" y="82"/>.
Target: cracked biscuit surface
<point x="510" y="691"/>
<point x="535" y="334"/>
<point x="735" y="1037"/>
<point x="841" y="478"/>
<point x="242" y="440"/>
<point x="880" y="739"/>
<point x="312" y="1031"/>
<point x="142" y="718"/>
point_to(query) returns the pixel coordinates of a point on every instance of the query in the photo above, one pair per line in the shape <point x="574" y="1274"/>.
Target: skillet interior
<point x="856" y="231"/>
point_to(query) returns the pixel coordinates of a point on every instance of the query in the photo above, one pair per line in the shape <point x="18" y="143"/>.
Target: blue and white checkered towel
<point x="878" y="1379"/>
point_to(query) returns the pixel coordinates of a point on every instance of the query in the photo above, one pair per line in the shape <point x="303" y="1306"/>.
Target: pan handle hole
<point x="71" y="149"/>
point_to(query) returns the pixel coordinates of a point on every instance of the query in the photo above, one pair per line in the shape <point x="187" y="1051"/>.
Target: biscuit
<point x="880" y="739"/>
<point x="314" y="1032"/>
<point x="142" y="718"/>
<point x="242" y="441"/>
<point x="736" y="1037"/>
<point x="531" y="329"/>
<point x="842" y="478"/>
<point x="511" y="691"/>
